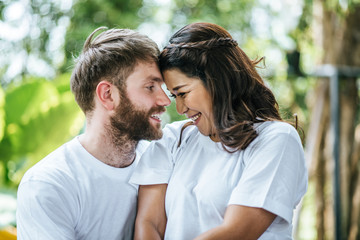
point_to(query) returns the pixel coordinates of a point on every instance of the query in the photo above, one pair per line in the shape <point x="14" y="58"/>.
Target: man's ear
<point x="106" y="95"/>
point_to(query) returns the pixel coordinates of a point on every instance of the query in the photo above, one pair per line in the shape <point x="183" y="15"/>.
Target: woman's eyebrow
<point x="178" y="87"/>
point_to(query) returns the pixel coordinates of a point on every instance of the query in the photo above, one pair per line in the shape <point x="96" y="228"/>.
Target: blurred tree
<point x="30" y="39"/>
<point x="335" y="27"/>
<point x="87" y="15"/>
<point x="36" y="31"/>
<point x="231" y="14"/>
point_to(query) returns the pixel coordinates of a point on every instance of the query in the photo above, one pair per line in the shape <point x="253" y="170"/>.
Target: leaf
<point x="37" y="115"/>
<point x="33" y="131"/>
<point x="51" y="129"/>
<point x="27" y="101"/>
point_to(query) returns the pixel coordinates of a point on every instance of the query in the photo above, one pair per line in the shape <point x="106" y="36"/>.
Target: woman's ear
<point x="105" y="95"/>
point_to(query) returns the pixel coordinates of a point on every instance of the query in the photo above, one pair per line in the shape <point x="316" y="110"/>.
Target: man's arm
<point x="151" y="217"/>
<point x="240" y="222"/>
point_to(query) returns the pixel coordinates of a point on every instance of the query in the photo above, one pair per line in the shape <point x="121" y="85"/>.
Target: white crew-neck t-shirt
<point x="72" y="195"/>
<point x="203" y="179"/>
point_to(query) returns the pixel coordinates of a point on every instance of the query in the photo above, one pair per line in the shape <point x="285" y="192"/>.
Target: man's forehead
<point x="146" y="71"/>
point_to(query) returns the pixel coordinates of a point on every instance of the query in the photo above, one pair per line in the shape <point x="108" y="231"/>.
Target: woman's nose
<point x="181" y="107"/>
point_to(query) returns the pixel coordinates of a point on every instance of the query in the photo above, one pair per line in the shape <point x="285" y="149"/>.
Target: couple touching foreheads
<point x="234" y="170"/>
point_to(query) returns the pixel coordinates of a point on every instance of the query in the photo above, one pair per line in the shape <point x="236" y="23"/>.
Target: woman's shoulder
<point x="274" y="139"/>
<point x="271" y="130"/>
<point x="275" y="127"/>
<point x="178" y="127"/>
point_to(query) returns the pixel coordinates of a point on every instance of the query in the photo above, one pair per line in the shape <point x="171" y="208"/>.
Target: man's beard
<point x="133" y="123"/>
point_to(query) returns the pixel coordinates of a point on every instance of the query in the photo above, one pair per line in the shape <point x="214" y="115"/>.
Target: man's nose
<point x="163" y="99"/>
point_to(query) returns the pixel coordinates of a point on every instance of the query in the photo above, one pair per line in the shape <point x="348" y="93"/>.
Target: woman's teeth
<point x="195" y="117"/>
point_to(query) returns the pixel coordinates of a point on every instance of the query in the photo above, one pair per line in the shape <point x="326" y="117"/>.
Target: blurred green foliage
<point x="231" y="14"/>
<point x="2" y="113"/>
<point x="172" y="113"/>
<point x="88" y="15"/>
<point x="39" y="116"/>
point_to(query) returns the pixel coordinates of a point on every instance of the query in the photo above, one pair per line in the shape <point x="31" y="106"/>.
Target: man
<point x="81" y="190"/>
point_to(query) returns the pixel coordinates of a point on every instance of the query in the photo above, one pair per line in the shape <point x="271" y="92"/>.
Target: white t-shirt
<point x="203" y="179"/>
<point x="72" y="195"/>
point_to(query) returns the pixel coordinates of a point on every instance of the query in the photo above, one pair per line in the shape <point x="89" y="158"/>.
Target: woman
<point x="237" y="171"/>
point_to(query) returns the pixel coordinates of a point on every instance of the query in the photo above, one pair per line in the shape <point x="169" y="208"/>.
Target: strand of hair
<point x="206" y="44"/>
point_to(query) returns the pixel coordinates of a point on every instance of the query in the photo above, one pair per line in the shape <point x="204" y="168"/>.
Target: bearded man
<point x="81" y="190"/>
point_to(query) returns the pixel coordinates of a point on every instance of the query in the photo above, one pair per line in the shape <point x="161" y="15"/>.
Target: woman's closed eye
<point x="182" y="95"/>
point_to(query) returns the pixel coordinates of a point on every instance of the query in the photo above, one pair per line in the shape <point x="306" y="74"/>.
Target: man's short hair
<point x="112" y="55"/>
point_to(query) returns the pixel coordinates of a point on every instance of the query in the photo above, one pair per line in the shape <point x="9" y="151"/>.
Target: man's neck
<point x="119" y="152"/>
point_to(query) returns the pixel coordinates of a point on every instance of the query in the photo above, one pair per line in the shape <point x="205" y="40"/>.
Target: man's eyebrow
<point x="156" y="79"/>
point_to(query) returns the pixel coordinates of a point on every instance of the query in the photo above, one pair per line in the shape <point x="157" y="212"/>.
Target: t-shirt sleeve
<point x="274" y="176"/>
<point x="156" y="164"/>
<point x="44" y="212"/>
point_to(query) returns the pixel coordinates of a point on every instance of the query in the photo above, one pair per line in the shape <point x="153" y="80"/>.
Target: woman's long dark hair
<point x="239" y="95"/>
